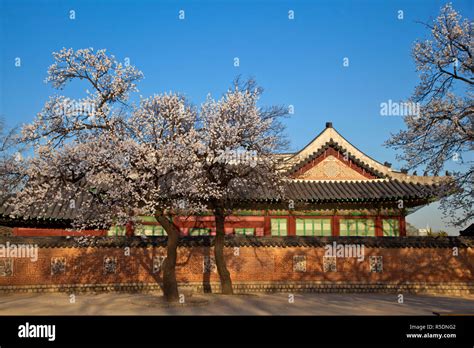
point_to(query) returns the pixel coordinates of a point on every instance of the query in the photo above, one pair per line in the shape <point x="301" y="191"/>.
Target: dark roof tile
<point x="305" y="191"/>
<point x="242" y="241"/>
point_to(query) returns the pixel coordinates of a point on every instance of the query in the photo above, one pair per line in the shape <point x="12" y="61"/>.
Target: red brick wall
<point x="246" y="264"/>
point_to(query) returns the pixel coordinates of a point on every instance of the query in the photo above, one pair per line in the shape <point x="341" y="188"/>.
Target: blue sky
<point x="299" y="62"/>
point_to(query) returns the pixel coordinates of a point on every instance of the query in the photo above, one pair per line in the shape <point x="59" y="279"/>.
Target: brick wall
<point x="251" y="268"/>
<point x="6" y="231"/>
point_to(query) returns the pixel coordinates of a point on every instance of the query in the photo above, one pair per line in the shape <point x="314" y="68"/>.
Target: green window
<point x="357" y="227"/>
<point x="141" y="230"/>
<point x="391" y="228"/>
<point x="117" y="231"/>
<point x="279" y="227"/>
<point x="150" y="230"/>
<point x="313" y="227"/>
<point x="199" y="231"/>
<point x="245" y="231"/>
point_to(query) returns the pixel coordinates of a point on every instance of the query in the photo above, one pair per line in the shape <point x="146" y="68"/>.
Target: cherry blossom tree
<point x="103" y="107"/>
<point x="238" y="156"/>
<point x="120" y="161"/>
<point x="162" y="157"/>
<point x="67" y="131"/>
<point x="443" y="131"/>
<point x="145" y="167"/>
<point x="165" y="171"/>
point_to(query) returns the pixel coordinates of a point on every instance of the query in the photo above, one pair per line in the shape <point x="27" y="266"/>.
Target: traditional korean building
<point x="332" y="189"/>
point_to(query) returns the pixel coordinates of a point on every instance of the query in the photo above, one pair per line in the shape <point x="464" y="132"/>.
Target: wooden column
<point x="403" y="226"/>
<point x="378" y="226"/>
<point x="129" y="229"/>
<point x="267" y="227"/>
<point x="291" y="225"/>
<point x="335" y="225"/>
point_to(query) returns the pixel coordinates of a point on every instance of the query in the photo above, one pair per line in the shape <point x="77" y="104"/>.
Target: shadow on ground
<point x="248" y="304"/>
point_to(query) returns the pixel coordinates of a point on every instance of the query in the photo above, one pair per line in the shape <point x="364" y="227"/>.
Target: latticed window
<point x="150" y="230"/>
<point x="110" y="264"/>
<point x="329" y="264"/>
<point x="158" y="263"/>
<point x="299" y="263"/>
<point x="313" y="227"/>
<point x="245" y="231"/>
<point x="58" y="265"/>
<point x="279" y="227"/>
<point x="391" y="227"/>
<point x="357" y="227"/>
<point x="376" y="264"/>
<point x="199" y="231"/>
<point x="6" y="267"/>
<point x="117" y="231"/>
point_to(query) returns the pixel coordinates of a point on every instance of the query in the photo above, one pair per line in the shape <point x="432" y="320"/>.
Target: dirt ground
<point x="247" y="304"/>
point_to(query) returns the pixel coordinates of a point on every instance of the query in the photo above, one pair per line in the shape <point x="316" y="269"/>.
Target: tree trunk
<point x="224" y="275"/>
<point x="170" y="284"/>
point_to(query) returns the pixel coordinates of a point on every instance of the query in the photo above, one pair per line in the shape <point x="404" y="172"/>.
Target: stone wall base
<point x="450" y="288"/>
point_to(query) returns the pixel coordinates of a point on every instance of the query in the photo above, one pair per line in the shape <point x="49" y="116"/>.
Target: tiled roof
<point x="318" y="191"/>
<point x="244" y="241"/>
<point x="51" y="211"/>
<point x="305" y="191"/>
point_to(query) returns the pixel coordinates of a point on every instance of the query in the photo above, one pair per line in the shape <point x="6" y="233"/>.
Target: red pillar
<point x="291" y="225"/>
<point x="129" y="229"/>
<point x="335" y="225"/>
<point x="267" y="227"/>
<point x="378" y="226"/>
<point x="403" y="226"/>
